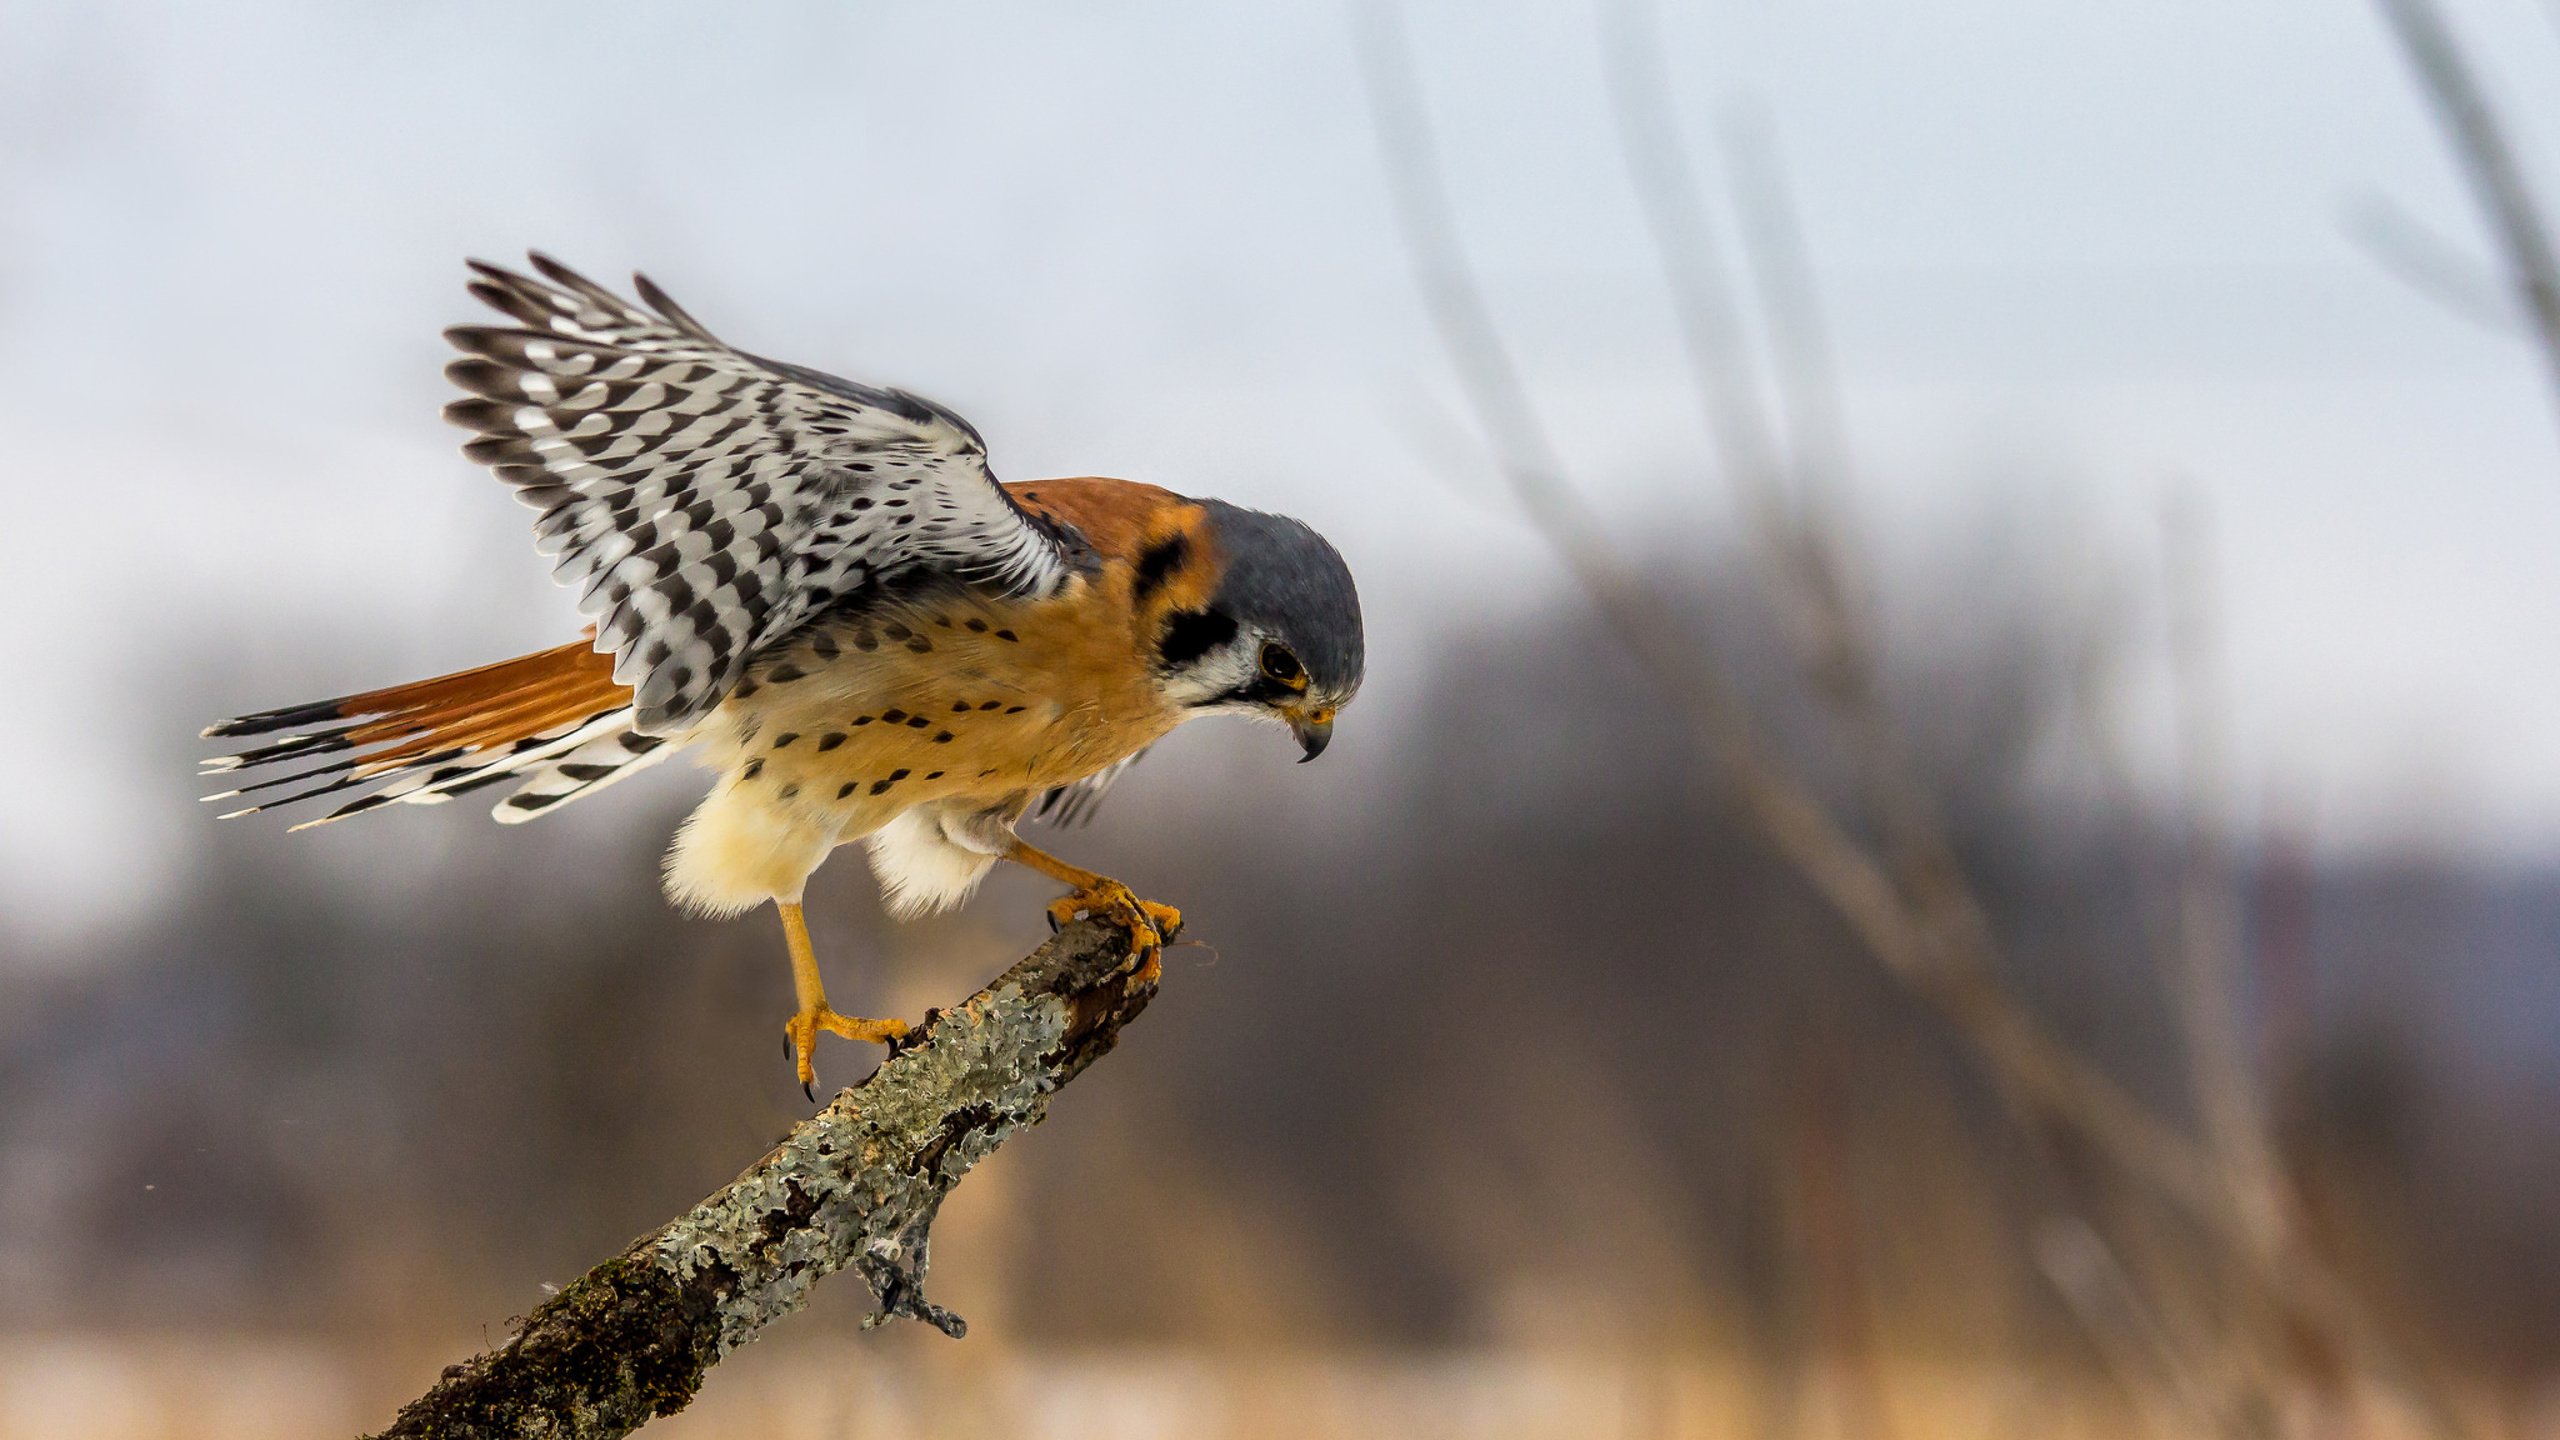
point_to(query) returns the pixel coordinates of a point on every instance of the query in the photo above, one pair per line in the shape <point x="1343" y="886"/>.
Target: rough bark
<point x="856" y="1185"/>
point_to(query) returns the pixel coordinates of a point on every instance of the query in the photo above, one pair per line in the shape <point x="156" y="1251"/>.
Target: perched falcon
<point x="820" y="588"/>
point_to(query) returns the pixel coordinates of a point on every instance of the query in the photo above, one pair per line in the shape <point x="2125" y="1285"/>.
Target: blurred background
<point x="1955" y="828"/>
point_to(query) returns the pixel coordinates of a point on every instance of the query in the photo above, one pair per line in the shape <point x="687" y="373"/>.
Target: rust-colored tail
<point x="555" y="717"/>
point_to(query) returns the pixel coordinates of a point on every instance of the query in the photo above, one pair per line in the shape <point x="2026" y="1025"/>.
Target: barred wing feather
<point x="706" y="503"/>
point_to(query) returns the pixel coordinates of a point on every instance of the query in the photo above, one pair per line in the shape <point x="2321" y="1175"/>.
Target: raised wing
<point x="707" y="502"/>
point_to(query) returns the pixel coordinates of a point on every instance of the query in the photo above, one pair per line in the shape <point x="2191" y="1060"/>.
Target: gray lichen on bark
<point x="857" y="1184"/>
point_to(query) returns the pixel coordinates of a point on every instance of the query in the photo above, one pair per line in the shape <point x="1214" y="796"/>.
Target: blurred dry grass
<point x="192" y="1388"/>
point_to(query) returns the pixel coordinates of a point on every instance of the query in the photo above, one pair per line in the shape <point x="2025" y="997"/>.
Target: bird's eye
<point x="1282" y="666"/>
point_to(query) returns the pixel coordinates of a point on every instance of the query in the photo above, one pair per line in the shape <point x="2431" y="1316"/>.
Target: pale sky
<point x="2075" y="256"/>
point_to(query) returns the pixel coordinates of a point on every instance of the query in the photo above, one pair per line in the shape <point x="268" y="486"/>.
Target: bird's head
<point x="1279" y="637"/>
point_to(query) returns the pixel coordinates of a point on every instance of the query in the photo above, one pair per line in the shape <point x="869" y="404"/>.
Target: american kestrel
<point x="820" y="588"/>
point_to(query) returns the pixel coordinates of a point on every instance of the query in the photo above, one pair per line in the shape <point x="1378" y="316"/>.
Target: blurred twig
<point x="858" y="1185"/>
<point x="1793" y="508"/>
<point x="2207" y="982"/>
<point x="1917" y="915"/>
<point x="1723" y="374"/>
<point x="2033" y="1068"/>
<point x="2129" y="1338"/>
<point x="1799" y="336"/>
<point x="2409" y="250"/>
<point x="2205" y="977"/>
<point x="1675" y="211"/>
<point x="2489" y="164"/>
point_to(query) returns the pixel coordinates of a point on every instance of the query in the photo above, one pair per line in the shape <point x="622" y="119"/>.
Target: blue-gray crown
<point x="1289" y="581"/>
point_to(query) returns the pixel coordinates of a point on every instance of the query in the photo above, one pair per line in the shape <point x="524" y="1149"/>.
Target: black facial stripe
<point x="1157" y="563"/>
<point x="1191" y="634"/>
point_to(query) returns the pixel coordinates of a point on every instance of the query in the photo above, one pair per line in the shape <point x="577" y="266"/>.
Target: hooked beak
<point x="1314" y="729"/>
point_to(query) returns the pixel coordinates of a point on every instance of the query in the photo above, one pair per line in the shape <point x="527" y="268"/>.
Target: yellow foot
<point x="800" y="1034"/>
<point x="1149" y="924"/>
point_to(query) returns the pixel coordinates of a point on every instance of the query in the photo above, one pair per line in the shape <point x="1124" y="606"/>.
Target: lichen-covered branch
<point x="856" y="1185"/>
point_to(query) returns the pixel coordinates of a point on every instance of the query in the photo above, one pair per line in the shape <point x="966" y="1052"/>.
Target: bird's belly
<point x="942" y="706"/>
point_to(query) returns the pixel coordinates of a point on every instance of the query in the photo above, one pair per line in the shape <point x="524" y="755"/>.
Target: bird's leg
<point x="815" y="1014"/>
<point x="1148" y="923"/>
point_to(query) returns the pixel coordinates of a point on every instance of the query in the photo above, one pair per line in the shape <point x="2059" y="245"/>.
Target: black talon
<point x="809" y="1089"/>
<point x="1053" y="921"/>
<point x="898" y="1045"/>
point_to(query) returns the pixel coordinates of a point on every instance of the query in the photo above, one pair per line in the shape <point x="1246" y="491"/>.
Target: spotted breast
<point x="946" y="704"/>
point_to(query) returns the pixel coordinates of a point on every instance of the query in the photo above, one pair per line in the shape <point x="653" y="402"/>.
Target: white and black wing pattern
<point x="706" y="502"/>
<point x="1074" y="803"/>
